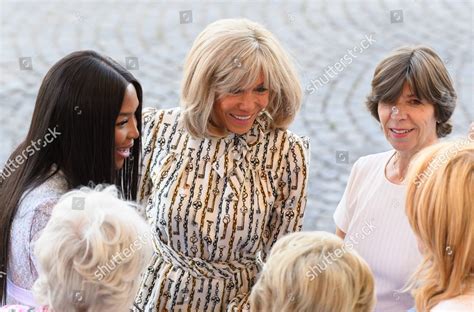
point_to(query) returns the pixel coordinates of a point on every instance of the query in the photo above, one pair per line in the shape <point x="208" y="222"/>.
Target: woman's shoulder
<point x="48" y="191"/>
<point x="35" y="208"/>
<point x="158" y="116"/>
<point x="289" y="139"/>
<point x="460" y="304"/>
<point x="159" y="124"/>
<point x="373" y="161"/>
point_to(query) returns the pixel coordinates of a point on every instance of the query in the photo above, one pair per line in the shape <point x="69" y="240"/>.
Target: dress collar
<point x="254" y="135"/>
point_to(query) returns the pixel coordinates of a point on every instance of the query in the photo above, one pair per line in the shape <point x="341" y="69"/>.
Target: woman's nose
<point x="134" y="133"/>
<point x="248" y="101"/>
<point x="397" y="112"/>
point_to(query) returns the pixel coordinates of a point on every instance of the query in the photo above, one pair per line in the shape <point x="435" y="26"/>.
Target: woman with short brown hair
<point x="413" y="99"/>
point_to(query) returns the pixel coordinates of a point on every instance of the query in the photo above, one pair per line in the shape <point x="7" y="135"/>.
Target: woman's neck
<point x="397" y="166"/>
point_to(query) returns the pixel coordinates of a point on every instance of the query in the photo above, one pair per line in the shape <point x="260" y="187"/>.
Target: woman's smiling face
<point x="237" y="112"/>
<point x="410" y="123"/>
<point x="126" y="127"/>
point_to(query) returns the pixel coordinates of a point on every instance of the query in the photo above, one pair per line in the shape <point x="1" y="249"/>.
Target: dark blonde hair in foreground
<point x="284" y="285"/>
<point x="427" y="77"/>
<point x="229" y="55"/>
<point x="440" y="209"/>
<point x="90" y="256"/>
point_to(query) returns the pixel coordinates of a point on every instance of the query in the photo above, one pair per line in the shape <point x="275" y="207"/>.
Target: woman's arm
<point x="345" y="209"/>
<point x="288" y="212"/>
<point x="149" y="133"/>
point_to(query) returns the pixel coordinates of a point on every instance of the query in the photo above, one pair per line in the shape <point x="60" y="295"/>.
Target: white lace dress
<point x="31" y="218"/>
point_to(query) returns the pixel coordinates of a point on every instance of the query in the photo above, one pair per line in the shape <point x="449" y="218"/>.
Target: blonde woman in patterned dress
<point x="222" y="177"/>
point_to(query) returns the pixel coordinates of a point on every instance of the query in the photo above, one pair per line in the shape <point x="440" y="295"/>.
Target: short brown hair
<point x="427" y="77"/>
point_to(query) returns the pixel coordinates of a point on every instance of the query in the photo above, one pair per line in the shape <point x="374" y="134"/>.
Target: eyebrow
<point x="126" y="114"/>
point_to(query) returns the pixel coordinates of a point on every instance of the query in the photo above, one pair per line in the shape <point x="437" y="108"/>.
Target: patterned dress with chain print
<point x="216" y="207"/>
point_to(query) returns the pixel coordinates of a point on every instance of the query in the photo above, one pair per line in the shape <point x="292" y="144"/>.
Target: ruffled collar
<point x="254" y="135"/>
<point x="238" y="147"/>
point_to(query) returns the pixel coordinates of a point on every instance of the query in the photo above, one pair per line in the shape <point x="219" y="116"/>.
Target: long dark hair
<point x="80" y="98"/>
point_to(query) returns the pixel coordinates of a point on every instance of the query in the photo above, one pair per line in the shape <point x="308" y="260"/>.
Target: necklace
<point x="396" y="158"/>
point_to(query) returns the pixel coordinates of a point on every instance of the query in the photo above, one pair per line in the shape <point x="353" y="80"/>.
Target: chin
<point x="403" y="146"/>
<point x="241" y="131"/>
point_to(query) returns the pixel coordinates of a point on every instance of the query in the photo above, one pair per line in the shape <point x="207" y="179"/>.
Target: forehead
<point x="130" y="100"/>
<point x="407" y="90"/>
<point x="259" y="79"/>
<point x="251" y="81"/>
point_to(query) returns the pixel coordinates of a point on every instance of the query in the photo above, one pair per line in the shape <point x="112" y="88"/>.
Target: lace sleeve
<point x="41" y="216"/>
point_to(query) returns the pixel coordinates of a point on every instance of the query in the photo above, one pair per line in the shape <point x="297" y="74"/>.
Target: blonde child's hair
<point x="289" y="282"/>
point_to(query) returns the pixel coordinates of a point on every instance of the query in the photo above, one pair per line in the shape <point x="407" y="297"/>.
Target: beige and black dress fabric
<point x="215" y="206"/>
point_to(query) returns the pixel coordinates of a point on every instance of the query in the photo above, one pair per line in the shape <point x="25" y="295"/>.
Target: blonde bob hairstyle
<point x="284" y="285"/>
<point x="91" y="253"/>
<point x="424" y="72"/>
<point x="440" y="209"/>
<point x="230" y="55"/>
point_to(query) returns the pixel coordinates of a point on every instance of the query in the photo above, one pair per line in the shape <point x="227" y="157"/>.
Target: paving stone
<point x="316" y="33"/>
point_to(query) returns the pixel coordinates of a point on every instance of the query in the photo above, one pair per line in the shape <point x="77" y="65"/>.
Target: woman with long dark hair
<point x="85" y="129"/>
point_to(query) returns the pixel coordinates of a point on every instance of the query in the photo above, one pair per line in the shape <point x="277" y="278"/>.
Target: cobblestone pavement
<point x="317" y="33"/>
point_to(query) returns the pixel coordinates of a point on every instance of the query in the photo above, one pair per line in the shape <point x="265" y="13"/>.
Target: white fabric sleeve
<point x="346" y="207"/>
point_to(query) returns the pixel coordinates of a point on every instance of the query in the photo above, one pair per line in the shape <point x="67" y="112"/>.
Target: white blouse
<point x="461" y="303"/>
<point x="214" y="205"/>
<point x="372" y="214"/>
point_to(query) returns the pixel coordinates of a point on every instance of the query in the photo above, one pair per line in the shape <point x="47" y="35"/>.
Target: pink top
<point x="32" y="216"/>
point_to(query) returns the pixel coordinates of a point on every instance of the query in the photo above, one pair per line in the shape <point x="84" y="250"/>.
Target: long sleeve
<point x="40" y="218"/>
<point x="289" y="207"/>
<point x="149" y="133"/>
<point x="345" y="209"/>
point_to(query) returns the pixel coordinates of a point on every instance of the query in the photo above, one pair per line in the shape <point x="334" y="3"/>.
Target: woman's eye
<point x="122" y="123"/>
<point x="261" y="89"/>
<point x="237" y="91"/>
<point x="416" y="102"/>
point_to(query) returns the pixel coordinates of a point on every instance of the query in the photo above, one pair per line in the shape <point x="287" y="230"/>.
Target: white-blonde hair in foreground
<point x="230" y="55"/>
<point x="440" y="209"/>
<point x="79" y="240"/>
<point x="345" y="285"/>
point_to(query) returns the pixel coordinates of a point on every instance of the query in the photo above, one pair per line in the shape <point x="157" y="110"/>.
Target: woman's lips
<point x="241" y="119"/>
<point x="123" y="152"/>
<point x="400" y="133"/>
